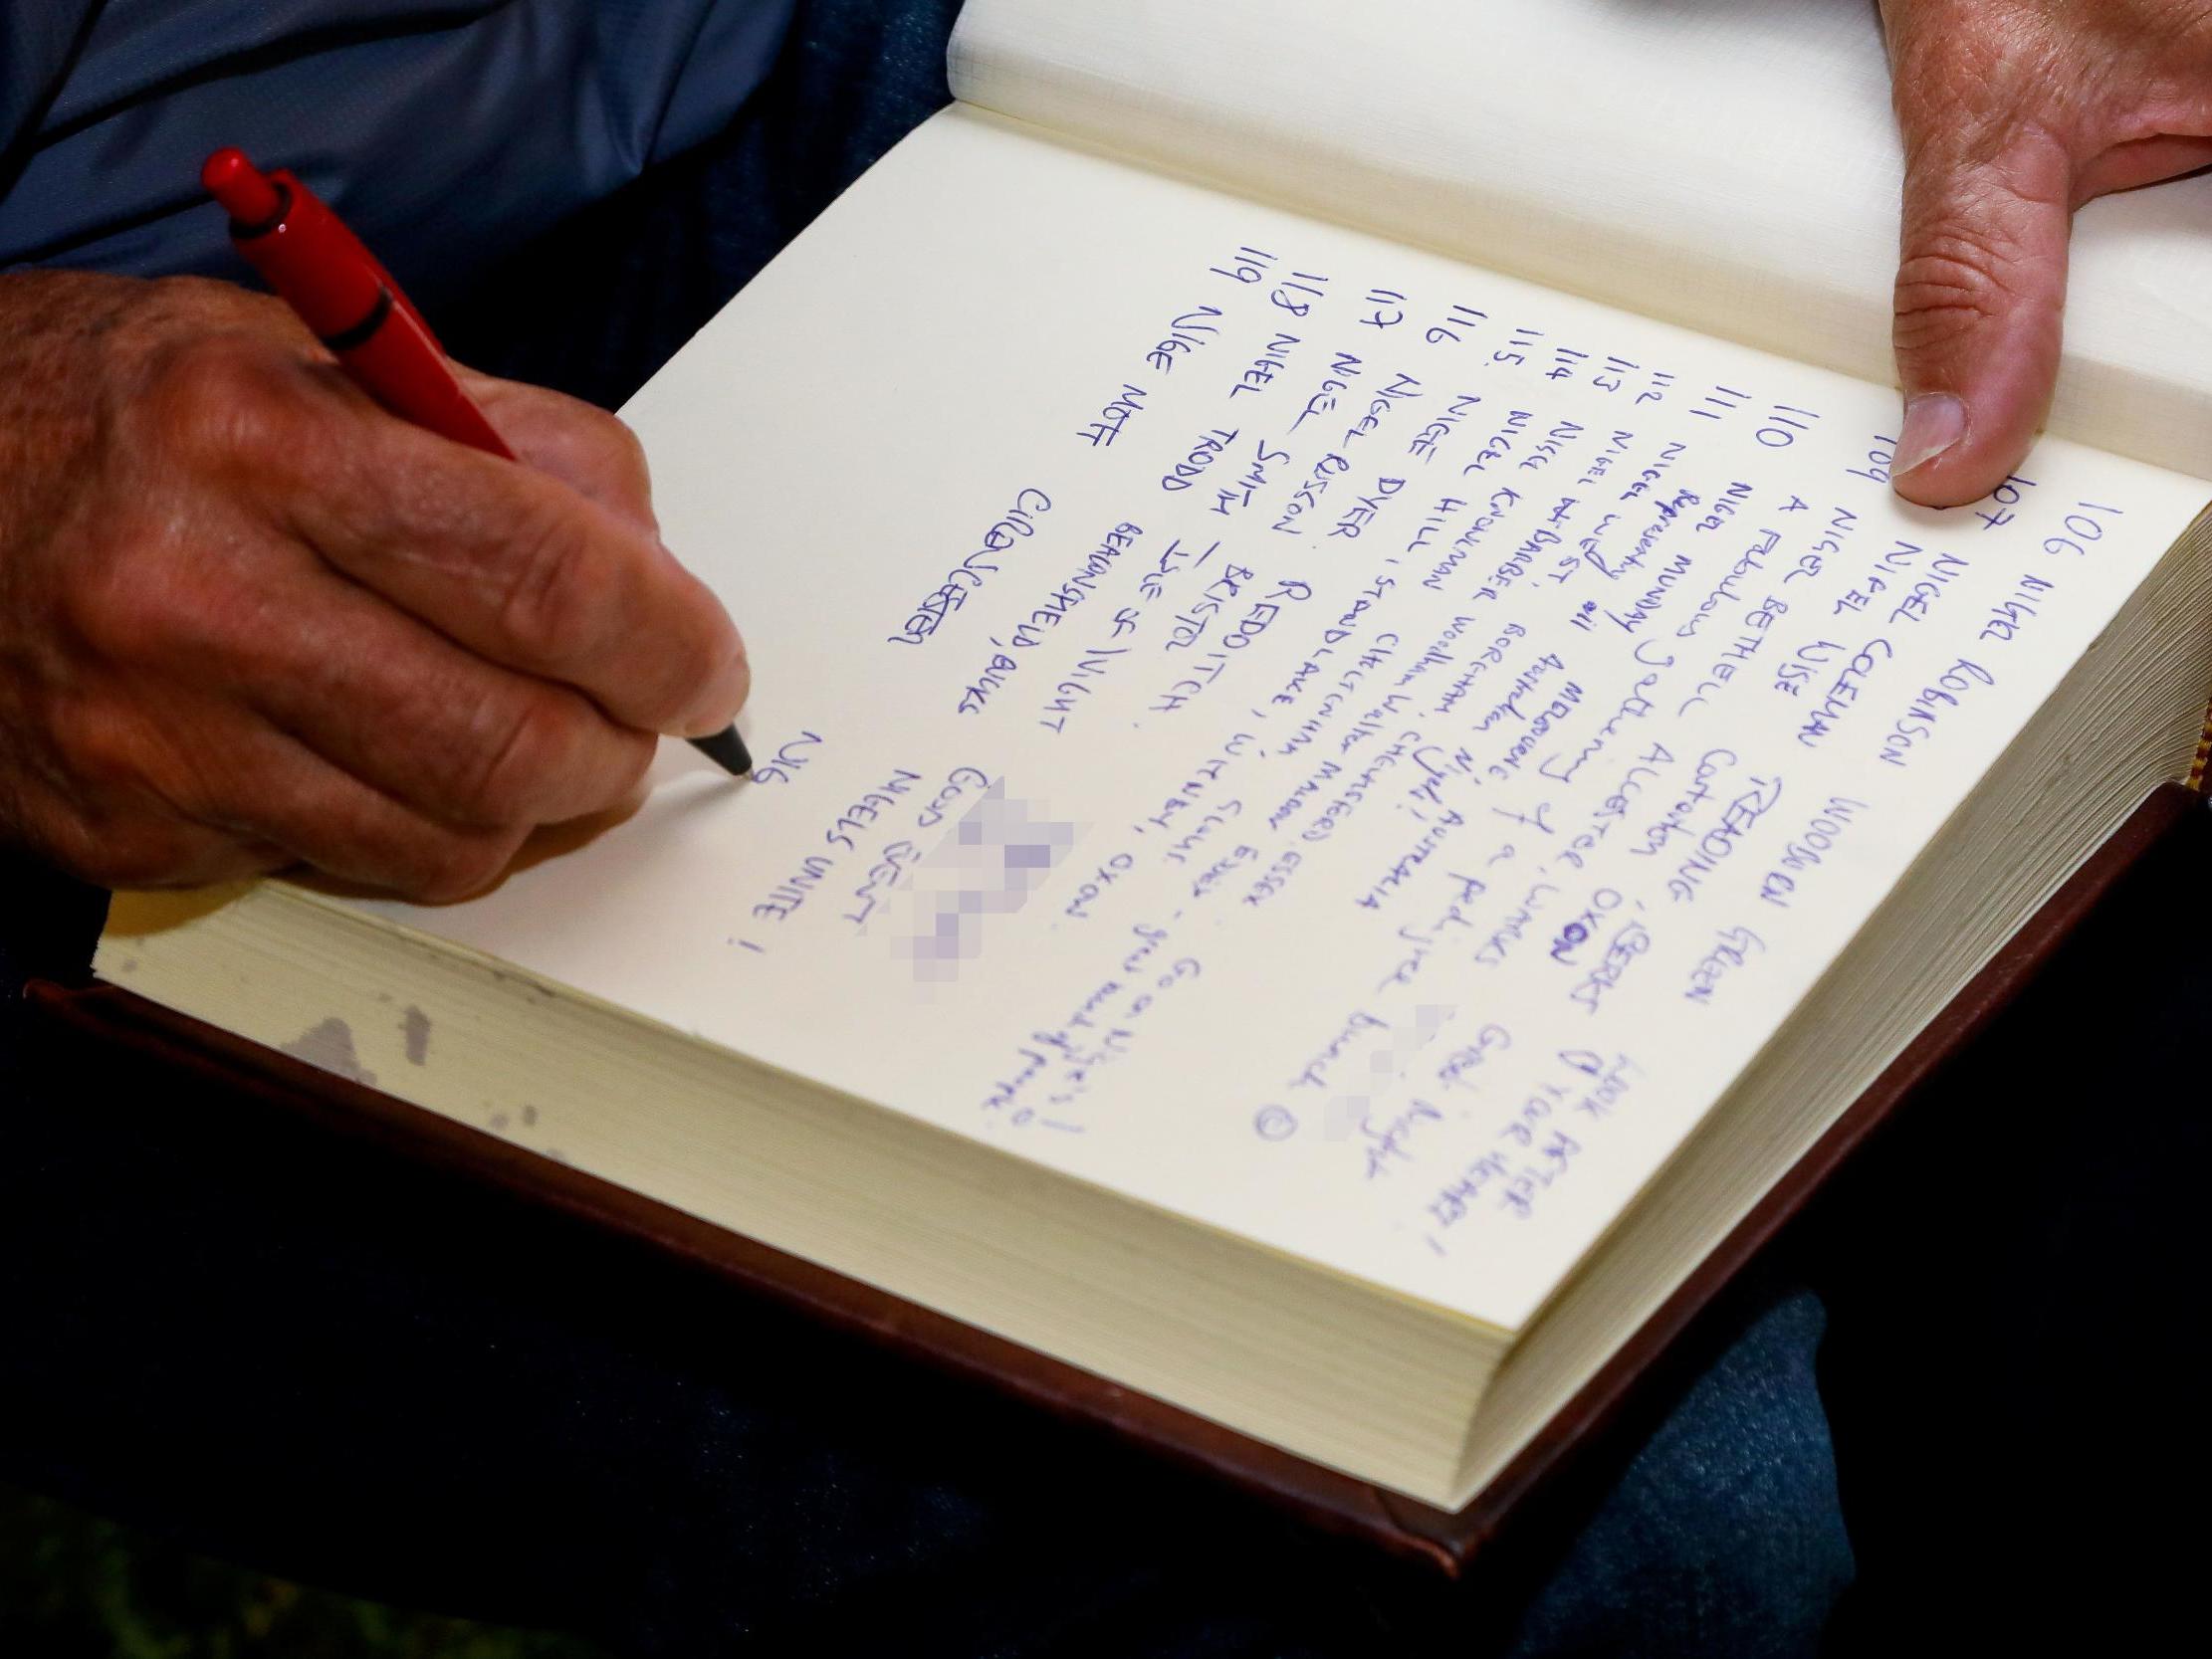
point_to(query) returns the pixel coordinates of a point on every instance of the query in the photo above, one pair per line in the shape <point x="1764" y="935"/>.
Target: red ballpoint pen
<point x="350" y="302"/>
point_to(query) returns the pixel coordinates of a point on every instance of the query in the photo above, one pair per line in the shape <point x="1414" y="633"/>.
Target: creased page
<point x="1731" y="166"/>
<point x="1334" y="743"/>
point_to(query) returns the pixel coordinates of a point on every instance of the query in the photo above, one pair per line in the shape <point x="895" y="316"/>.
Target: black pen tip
<point x="726" y="749"/>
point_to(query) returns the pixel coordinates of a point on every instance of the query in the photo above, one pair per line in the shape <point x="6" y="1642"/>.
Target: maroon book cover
<point x="1448" y="1542"/>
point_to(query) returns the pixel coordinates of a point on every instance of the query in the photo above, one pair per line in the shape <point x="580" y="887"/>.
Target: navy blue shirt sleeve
<point x="445" y="130"/>
<point x="37" y="39"/>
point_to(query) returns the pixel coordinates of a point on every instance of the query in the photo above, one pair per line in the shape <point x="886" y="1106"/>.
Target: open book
<point x="1331" y="815"/>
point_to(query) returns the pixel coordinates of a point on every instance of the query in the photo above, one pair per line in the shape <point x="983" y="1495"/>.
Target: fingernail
<point x="714" y="714"/>
<point x="1933" y="422"/>
<point x="714" y="711"/>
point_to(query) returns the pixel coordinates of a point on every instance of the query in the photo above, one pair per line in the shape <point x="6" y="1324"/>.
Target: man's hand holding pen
<point x="248" y="619"/>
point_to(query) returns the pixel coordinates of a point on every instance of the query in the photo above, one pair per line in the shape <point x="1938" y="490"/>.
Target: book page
<point x="1324" y="739"/>
<point x="1726" y="164"/>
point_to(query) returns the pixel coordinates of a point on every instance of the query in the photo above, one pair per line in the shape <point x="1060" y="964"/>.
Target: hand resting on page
<point x="249" y="620"/>
<point x="2016" y="113"/>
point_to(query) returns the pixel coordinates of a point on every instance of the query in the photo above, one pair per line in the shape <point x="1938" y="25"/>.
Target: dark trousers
<point x="1956" y="1395"/>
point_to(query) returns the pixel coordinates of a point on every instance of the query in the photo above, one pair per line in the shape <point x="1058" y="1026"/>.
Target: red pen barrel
<point x="247" y="196"/>
<point x="301" y="252"/>
<point x="389" y="366"/>
<point x="341" y="290"/>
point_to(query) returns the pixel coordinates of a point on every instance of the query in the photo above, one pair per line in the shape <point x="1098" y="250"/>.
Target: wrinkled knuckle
<point x="100" y="747"/>
<point x="556" y="595"/>
<point x="1955" y="280"/>
<point x="149" y="609"/>
<point x="121" y="619"/>
<point x="216" y="397"/>
<point x="527" y="742"/>
<point x="452" y="866"/>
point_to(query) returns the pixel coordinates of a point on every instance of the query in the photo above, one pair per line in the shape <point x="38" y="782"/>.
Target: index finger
<point x="577" y="442"/>
<point x="518" y="567"/>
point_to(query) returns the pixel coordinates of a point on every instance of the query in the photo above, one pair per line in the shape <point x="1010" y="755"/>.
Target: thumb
<point x="1980" y="293"/>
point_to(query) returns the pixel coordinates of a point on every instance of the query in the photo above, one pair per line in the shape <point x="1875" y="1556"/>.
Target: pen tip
<point x="726" y="749"/>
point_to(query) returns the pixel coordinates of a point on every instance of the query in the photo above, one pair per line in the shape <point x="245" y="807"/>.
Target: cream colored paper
<point x="1346" y="746"/>
<point x="1725" y="164"/>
